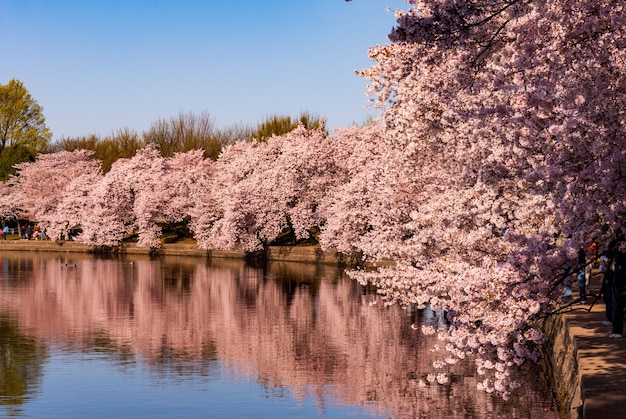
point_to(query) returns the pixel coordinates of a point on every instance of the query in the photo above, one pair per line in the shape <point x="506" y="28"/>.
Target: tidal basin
<point x="183" y="337"/>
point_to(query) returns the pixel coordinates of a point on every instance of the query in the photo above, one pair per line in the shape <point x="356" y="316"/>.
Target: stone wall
<point x="561" y="358"/>
<point x="282" y="253"/>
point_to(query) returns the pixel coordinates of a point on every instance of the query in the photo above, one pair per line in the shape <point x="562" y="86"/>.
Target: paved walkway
<point x="601" y="360"/>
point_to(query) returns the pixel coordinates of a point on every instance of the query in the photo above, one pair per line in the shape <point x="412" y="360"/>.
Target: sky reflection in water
<point x="83" y="336"/>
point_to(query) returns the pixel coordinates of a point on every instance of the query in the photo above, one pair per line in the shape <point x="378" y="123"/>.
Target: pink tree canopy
<point x="364" y="207"/>
<point x="507" y="117"/>
<point x="135" y="196"/>
<point x="8" y="208"/>
<point x="186" y="186"/>
<point x="40" y="186"/>
<point x="261" y="188"/>
<point x="75" y="206"/>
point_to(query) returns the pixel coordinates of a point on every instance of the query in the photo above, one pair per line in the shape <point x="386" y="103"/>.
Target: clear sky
<point x="99" y="66"/>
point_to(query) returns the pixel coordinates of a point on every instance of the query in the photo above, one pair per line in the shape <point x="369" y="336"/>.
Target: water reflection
<point x="300" y="331"/>
<point x="21" y="359"/>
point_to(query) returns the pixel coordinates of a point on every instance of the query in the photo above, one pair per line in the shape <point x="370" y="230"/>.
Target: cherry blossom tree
<point x="107" y="214"/>
<point x="130" y="198"/>
<point x="75" y="206"/>
<point x="40" y="186"/>
<point x="139" y="194"/>
<point x="216" y="226"/>
<point x="8" y="208"/>
<point x="265" y="187"/>
<point x="67" y="189"/>
<point x="507" y="123"/>
<point x="187" y="184"/>
<point x="363" y="209"/>
<point x="301" y="176"/>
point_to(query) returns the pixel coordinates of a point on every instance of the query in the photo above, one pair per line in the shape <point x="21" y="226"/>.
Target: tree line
<point x="254" y="192"/>
<point x="24" y="134"/>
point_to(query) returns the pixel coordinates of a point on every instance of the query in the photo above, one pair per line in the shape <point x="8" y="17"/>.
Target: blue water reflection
<point x="92" y="386"/>
<point x="89" y="337"/>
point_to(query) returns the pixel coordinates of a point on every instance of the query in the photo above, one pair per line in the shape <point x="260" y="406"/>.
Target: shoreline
<point x="308" y="254"/>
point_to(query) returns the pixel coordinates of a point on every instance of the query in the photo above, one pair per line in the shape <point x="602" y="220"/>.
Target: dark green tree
<point x="11" y="155"/>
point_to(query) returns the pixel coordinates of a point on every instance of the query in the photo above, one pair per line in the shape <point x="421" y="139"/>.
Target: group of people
<point x="612" y="267"/>
<point x="33" y="232"/>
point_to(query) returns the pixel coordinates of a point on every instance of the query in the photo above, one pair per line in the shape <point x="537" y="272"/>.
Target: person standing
<point x="582" y="276"/>
<point x="619" y="293"/>
<point x="567" y="283"/>
<point x="607" y="288"/>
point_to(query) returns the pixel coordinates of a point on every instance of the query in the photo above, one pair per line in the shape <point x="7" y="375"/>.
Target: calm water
<point x="89" y="337"/>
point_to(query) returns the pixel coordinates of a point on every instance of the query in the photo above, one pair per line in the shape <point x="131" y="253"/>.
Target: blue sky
<point x="100" y="66"/>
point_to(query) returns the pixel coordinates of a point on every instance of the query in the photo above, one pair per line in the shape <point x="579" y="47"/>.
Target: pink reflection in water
<point x="298" y="326"/>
